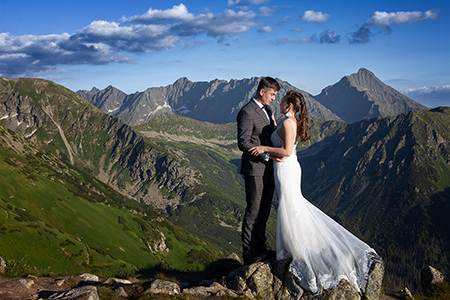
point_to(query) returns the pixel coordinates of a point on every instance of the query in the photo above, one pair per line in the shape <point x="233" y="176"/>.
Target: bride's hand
<point x="255" y="151"/>
<point x="277" y="158"/>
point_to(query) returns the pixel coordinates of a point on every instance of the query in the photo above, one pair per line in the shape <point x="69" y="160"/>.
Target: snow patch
<point x="29" y="135"/>
<point x="111" y="110"/>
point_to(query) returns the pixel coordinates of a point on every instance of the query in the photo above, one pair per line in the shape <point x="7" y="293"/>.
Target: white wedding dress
<point x="322" y="251"/>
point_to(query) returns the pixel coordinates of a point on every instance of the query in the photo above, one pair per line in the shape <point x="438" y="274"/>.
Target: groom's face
<point x="267" y="96"/>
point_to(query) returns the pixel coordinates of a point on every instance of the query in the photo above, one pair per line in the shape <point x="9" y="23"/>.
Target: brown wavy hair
<point x="298" y="101"/>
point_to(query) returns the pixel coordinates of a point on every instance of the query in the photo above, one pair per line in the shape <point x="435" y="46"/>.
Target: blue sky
<point x="134" y="45"/>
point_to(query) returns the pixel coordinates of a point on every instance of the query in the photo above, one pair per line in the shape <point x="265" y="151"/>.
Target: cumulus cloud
<point x="427" y="89"/>
<point x="265" y="29"/>
<point x="35" y="55"/>
<point x="266" y="11"/>
<point x="176" y="13"/>
<point x="314" y="16"/>
<point x="103" y="42"/>
<point x="429" y="96"/>
<point x="383" y="20"/>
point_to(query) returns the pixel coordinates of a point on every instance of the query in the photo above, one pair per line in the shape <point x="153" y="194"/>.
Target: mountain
<point x="57" y="219"/>
<point x="362" y="96"/>
<point x="388" y="181"/>
<point x="354" y="98"/>
<point x="174" y="177"/>
<point x="217" y="101"/>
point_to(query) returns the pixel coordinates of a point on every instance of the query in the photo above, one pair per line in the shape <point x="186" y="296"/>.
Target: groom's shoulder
<point x="248" y="106"/>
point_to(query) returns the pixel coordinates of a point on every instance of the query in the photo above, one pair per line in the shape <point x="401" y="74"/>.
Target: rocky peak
<point x="364" y="79"/>
<point x="362" y="96"/>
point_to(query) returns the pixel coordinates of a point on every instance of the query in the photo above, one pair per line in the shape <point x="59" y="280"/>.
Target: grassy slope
<point x="59" y="220"/>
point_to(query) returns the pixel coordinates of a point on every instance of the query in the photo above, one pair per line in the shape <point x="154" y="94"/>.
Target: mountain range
<point x="354" y="98"/>
<point x="372" y="176"/>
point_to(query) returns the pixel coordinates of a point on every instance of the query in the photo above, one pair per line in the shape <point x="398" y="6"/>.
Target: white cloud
<point x="231" y="2"/>
<point x="429" y="96"/>
<point x="265" y="29"/>
<point x="313" y="16"/>
<point x="427" y="89"/>
<point x="266" y="11"/>
<point x="382" y="18"/>
<point x="176" y="13"/>
<point x="103" y="42"/>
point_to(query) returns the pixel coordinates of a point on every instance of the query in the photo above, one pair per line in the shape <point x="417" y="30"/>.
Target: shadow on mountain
<point x="236" y="162"/>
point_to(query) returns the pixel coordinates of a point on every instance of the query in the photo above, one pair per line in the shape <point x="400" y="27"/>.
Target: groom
<point x="255" y="124"/>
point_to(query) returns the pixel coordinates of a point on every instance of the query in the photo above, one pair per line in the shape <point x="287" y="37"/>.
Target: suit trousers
<point x="259" y="193"/>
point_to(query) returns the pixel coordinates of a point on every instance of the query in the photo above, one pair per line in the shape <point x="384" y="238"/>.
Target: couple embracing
<point x="322" y="251"/>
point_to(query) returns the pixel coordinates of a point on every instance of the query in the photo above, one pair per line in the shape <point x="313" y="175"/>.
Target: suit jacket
<point x="254" y="129"/>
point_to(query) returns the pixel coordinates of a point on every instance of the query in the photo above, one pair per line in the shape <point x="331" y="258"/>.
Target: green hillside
<point x="55" y="219"/>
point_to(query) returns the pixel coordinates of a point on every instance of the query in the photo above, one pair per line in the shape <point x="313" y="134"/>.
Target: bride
<point x="322" y="251"/>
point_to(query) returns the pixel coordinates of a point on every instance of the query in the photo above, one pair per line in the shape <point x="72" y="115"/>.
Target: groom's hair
<point x="268" y="83"/>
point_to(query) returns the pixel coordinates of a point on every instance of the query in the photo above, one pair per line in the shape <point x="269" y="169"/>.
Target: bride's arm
<point x="287" y="144"/>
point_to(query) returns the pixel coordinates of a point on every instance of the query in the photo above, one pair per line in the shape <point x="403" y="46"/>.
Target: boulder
<point x="89" y="277"/>
<point x="205" y="291"/>
<point x="2" y="265"/>
<point x="343" y="291"/>
<point x="159" y="286"/>
<point x="272" y="280"/>
<point x="376" y="272"/>
<point x="26" y="282"/>
<point x="430" y="276"/>
<point x="88" y="292"/>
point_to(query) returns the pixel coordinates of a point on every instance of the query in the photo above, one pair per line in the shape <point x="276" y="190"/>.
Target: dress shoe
<point x="253" y="257"/>
<point x="271" y="253"/>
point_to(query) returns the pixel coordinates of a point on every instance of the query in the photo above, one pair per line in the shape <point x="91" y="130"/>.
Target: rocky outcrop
<point x="262" y="280"/>
<point x="88" y="292"/>
<point x="430" y="276"/>
<point x="159" y="286"/>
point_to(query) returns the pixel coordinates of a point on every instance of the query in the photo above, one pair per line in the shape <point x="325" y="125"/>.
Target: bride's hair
<point x="297" y="99"/>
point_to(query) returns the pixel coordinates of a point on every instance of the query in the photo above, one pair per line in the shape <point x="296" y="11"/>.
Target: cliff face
<point x="57" y="120"/>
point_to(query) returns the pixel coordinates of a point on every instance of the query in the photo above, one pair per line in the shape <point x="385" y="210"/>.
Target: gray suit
<point x="254" y="129"/>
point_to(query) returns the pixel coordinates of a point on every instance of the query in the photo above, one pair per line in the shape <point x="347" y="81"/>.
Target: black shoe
<point x="271" y="253"/>
<point x="253" y="257"/>
<point x="248" y="257"/>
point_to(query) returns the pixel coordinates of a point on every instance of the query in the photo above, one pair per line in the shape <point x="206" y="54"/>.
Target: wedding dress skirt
<point x="322" y="251"/>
